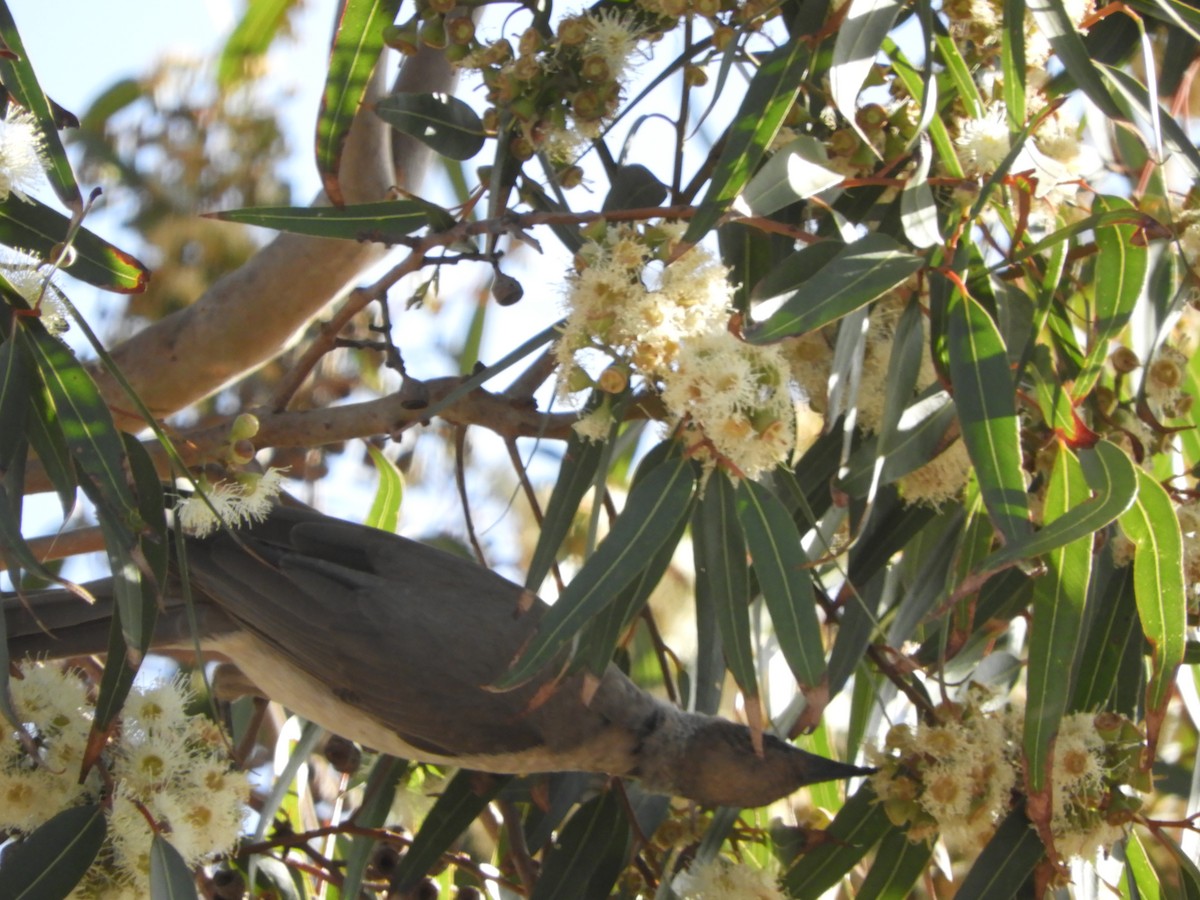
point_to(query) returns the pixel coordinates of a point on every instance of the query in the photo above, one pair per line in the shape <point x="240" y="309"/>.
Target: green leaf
<point x="87" y="424"/>
<point x="796" y="171"/>
<point x="858" y="41"/>
<point x="1111" y="626"/>
<point x="768" y="98"/>
<point x="858" y="826"/>
<point x="795" y="269"/>
<point x="898" y="864"/>
<point x="251" y="39"/>
<point x="1140" y="871"/>
<point x="576" y="474"/>
<point x="170" y="877"/>
<point x="440" y="121"/>
<point x="378" y="793"/>
<point x="1158" y="582"/>
<point x="1001" y="869"/>
<point x="914" y="83"/>
<point x="1012" y="60"/>
<point x="856" y="275"/>
<point x="16" y="72"/>
<point x="50" y="444"/>
<point x="774" y="542"/>
<point x="1119" y="275"/>
<point x="720" y="552"/>
<point x="460" y="803"/>
<point x="1112" y="477"/>
<point x="918" y="209"/>
<point x="598" y="831"/>
<point x="1054" y="22"/>
<point x="1174" y="136"/>
<point x="1059" y="596"/>
<point x="1189" y="872"/>
<point x="51" y="861"/>
<point x="385" y="507"/>
<point x="656" y="506"/>
<point x="357" y="45"/>
<point x="381" y="221"/>
<point x="38" y="229"/>
<point x="16" y="385"/>
<point x="960" y="75"/>
<point x="983" y="395"/>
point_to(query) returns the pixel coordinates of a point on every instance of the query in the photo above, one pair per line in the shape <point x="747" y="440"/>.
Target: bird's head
<point x="718" y="765"/>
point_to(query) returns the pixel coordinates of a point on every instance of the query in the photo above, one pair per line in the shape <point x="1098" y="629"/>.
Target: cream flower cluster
<point x="722" y="879"/>
<point x="164" y="767"/>
<point x="22" y="163"/>
<point x="667" y="325"/>
<point x="956" y="777"/>
<point x="248" y="498"/>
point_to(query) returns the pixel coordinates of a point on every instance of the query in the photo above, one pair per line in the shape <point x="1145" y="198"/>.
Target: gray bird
<point x="395" y="644"/>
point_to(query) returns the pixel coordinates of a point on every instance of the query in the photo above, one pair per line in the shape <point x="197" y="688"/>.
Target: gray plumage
<point x="395" y="644"/>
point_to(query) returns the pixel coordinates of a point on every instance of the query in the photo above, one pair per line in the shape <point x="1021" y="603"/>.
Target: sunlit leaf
<point x="35" y="227"/>
<point x="859" y="273"/>
<point x="1055" y="23"/>
<point x="1158" y="581"/>
<point x="385" y="507"/>
<point x="983" y="396"/>
<point x="1059" y="596"/>
<point x="1120" y="273"/>
<point x="357" y="45"/>
<point x="858" y="41"/>
<point x="768" y="98"/>
<point x="918" y="210"/>
<point x="17" y="75"/>
<point x="794" y="172"/>
<point x="251" y="38"/>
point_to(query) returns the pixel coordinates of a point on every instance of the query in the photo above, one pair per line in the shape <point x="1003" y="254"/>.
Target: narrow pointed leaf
<point x="382" y="221"/>
<point x="918" y="209"/>
<point x="1054" y="22"/>
<point x="15" y="387"/>
<point x="859" y="825"/>
<point x="1001" y="869"/>
<point x="385" y="508"/>
<point x="1134" y="93"/>
<point x="19" y="80"/>
<point x="597" y="830"/>
<point x="37" y="228"/>
<point x="1113" y="479"/>
<point x="357" y="45"/>
<point x="858" y="274"/>
<point x="779" y="559"/>
<point x="656" y="506"/>
<point x="1059" y="596"/>
<point x="440" y="121"/>
<point x="52" y="860"/>
<point x="1140" y="871"/>
<point x="858" y="41"/>
<point x="1120" y="273"/>
<point x="795" y="172"/>
<point x="50" y="444"/>
<point x="459" y="804"/>
<point x="251" y="39"/>
<point x="576" y="474"/>
<point x="984" y="398"/>
<point x="378" y="793"/>
<point x="1158" y="582"/>
<point x="898" y="864"/>
<point x="170" y="877"/>
<point x="721" y="565"/>
<point x="770" y="95"/>
<point x="1012" y="60"/>
<point x="92" y="438"/>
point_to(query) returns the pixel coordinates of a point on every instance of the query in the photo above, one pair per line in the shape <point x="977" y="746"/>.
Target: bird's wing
<point x="409" y="634"/>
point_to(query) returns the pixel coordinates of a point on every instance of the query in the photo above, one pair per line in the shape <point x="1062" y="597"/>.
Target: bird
<point x="398" y="645"/>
